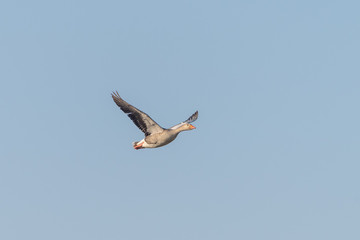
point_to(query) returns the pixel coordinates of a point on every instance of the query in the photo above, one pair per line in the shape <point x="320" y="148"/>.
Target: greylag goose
<point x="155" y="136"/>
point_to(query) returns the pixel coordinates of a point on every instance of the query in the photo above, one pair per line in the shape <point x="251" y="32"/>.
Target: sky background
<point x="276" y="151"/>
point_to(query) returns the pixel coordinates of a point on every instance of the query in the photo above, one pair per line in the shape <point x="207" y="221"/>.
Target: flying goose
<point x="155" y="136"/>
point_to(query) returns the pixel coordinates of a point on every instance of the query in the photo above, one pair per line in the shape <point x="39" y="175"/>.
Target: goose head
<point x="187" y="127"/>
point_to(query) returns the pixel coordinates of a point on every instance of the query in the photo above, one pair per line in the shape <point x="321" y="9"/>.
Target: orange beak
<point x="192" y="127"/>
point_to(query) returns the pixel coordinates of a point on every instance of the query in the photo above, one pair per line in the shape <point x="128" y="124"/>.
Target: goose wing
<point x="191" y="119"/>
<point x="141" y="119"/>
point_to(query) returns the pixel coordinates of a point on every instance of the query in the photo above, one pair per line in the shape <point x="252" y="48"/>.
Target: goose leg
<point x="139" y="146"/>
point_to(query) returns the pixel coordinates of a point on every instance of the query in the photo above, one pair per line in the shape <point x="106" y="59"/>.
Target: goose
<point x="155" y="136"/>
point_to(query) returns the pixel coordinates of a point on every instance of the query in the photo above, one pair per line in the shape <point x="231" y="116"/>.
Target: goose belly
<point x="159" y="142"/>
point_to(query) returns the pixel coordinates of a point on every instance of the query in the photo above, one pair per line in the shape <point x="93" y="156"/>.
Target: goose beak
<point x="192" y="127"/>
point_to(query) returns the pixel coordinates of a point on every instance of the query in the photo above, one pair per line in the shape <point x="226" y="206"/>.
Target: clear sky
<point x="275" y="154"/>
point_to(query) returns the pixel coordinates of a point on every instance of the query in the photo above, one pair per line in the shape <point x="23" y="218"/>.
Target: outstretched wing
<point x="191" y="119"/>
<point x="141" y="119"/>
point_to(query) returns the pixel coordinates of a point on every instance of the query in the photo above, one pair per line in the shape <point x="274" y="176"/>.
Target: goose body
<point x="155" y="136"/>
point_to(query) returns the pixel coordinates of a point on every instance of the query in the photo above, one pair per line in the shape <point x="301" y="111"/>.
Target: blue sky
<point x="276" y="151"/>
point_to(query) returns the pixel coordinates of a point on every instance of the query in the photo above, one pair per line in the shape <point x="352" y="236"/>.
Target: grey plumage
<point x="143" y="121"/>
<point x="192" y="118"/>
<point x="155" y="136"/>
